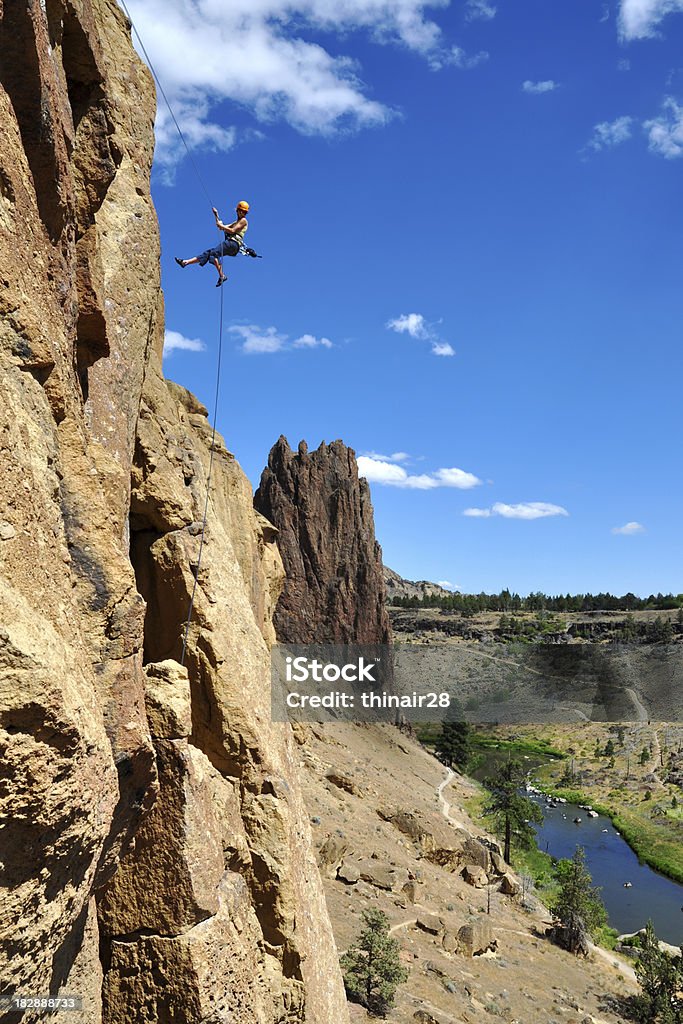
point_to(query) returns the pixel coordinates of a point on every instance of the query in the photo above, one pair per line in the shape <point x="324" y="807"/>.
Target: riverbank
<point x="628" y="772"/>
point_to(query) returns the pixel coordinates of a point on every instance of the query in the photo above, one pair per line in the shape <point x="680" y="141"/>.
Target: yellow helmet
<point x="243" y="205"/>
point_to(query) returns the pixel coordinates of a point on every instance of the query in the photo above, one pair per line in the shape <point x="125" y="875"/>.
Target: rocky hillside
<point x="156" y="851"/>
<point x="392" y="834"/>
<point x="334" y="587"/>
<point x="396" y="586"/>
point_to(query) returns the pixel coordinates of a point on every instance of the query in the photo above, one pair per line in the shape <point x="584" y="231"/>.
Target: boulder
<point x="476" y="853"/>
<point x="411" y="890"/>
<point x="348" y="874"/>
<point x="509" y="885"/>
<point x="429" y="923"/>
<point x="331" y="855"/>
<point x="476" y="876"/>
<point x="343" y="782"/>
<point x="498" y="864"/>
<point x="381" y="875"/>
<point x="476" y="938"/>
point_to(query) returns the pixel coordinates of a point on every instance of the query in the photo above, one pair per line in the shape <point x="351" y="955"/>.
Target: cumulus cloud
<point x="611" y="133"/>
<point x="310" y="341"/>
<point x="415" y="325"/>
<point x="380" y="471"/>
<point x="523" y="510"/>
<point x="480" y="10"/>
<point x="537" y="87"/>
<point x="253" y="53"/>
<point x="628" y="529"/>
<point x="447" y="585"/>
<point x="395" y="457"/>
<point x="638" y="19"/>
<point x="174" y="341"/>
<point x="665" y="133"/>
<point x="266" y="340"/>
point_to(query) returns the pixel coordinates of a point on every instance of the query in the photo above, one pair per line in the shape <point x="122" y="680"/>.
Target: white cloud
<point x="416" y="326"/>
<point x="381" y="471"/>
<point x="457" y="57"/>
<point x="442" y="348"/>
<point x="175" y="341"/>
<point x="413" y="324"/>
<point x="266" y="340"/>
<point x="479" y="10"/>
<point x="395" y="457"/>
<point x="623" y="64"/>
<point x="310" y="341"/>
<point x="638" y="19"/>
<point x="610" y="133"/>
<point x="629" y="529"/>
<point x="457" y="478"/>
<point x="254" y="53"/>
<point x="537" y="87"/>
<point x="665" y="133"/>
<point x="259" y="340"/>
<point x="523" y="510"/>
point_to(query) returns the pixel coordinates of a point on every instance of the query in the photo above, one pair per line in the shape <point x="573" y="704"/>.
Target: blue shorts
<point x="230" y="247"/>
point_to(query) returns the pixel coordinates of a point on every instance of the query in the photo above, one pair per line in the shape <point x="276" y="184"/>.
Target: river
<point x="611" y="862"/>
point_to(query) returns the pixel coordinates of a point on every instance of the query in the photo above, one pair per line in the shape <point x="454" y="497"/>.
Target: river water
<point x="611" y="862"/>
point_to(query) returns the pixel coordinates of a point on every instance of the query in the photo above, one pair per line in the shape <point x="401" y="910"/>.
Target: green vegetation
<point x="507" y="602"/>
<point x="661" y="980"/>
<point x="511" y="811"/>
<point x="453" y="744"/>
<point x="372" y="968"/>
<point x="577" y="905"/>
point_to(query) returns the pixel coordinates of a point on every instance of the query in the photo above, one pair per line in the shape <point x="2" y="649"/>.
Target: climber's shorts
<point x="229" y="247"/>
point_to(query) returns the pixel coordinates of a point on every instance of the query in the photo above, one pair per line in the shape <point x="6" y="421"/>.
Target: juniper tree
<point x="453" y="744"/>
<point x="661" y="980"/>
<point x="577" y="905"/>
<point x="514" y="813"/>
<point x="372" y="968"/>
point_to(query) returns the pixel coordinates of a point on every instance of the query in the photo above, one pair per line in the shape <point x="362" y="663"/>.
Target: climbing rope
<point x="208" y="478"/>
<point x="166" y="101"/>
<point x="249" y="252"/>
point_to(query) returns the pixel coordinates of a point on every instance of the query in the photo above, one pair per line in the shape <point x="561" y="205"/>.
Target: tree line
<point x="508" y="601"/>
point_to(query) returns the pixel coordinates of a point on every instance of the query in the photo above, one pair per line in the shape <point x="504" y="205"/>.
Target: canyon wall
<point x="156" y="852"/>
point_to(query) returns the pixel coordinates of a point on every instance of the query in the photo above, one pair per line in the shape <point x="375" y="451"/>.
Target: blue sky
<point x="470" y="215"/>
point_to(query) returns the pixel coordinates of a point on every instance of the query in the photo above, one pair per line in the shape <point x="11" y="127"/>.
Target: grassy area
<point x="481" y="742"/>
<point x="523" y="745"/>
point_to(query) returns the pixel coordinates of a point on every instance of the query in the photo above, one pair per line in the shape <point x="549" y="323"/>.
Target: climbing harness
<point x="246" y="251"/>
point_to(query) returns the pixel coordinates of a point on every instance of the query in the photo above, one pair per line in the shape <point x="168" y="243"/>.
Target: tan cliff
<point x="155" y="851"/>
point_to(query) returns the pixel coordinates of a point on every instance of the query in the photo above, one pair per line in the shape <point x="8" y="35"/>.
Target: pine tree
<point x="577" y="905"/>
<point x="661" y="979"/>
<point x="514" y="813"/>
<point x="453" y="744"/>
<point x="372" y="968"/>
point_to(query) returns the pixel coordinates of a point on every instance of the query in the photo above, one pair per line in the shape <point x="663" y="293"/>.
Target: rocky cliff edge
<point x="156" y="852"/>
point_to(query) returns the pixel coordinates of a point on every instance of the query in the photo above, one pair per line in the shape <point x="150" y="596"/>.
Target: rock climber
<point x="234" y="237"/>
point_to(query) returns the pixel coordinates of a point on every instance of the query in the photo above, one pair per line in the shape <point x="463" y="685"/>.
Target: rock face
<point x="156" y="853"/>
<point x="334" y="591"/>
<point x="398" y="587"/>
